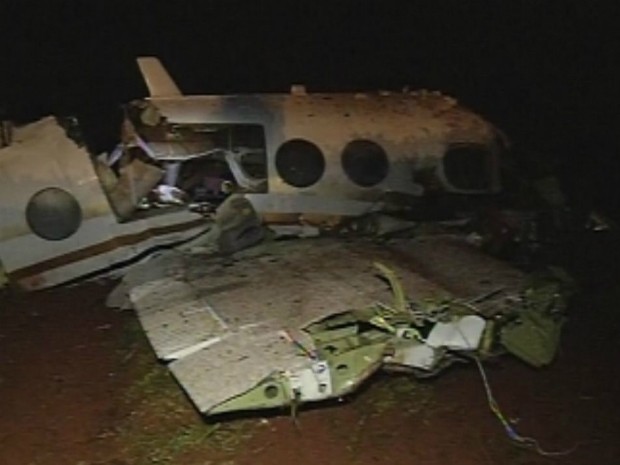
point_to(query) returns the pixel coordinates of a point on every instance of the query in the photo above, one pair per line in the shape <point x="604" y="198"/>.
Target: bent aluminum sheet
<point x="219" y="321"/>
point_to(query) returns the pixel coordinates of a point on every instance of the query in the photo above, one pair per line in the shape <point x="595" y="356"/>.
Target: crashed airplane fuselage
<point x="298" y="158"/>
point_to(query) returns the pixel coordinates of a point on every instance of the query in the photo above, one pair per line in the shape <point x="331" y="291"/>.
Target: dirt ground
<point x="79" y="385"/>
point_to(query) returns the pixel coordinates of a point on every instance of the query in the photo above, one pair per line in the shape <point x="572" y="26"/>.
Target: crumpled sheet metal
<point x="225" y="318"/>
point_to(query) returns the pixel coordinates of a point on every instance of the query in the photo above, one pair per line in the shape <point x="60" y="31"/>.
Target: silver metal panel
<point x="225" y="348"/>
<point x="174" y="319"/>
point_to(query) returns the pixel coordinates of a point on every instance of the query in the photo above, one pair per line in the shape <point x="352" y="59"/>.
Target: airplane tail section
<point x="157" y="79"/>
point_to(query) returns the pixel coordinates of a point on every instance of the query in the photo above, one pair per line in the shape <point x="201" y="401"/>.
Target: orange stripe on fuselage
<point x="98" y="249"/>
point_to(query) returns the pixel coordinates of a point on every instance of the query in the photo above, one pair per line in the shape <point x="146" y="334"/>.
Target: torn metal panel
<point x="136" y="179"/>
<point x="279" y="308"/>
<point x="534" y="334"/>
<point x="534" y="338"/>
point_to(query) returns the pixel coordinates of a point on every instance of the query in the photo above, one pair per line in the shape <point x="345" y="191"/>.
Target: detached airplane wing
<point x="302" y="321"/>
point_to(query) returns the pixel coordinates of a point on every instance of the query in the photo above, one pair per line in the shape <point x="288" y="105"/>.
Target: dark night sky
<point x="545" y="71"/>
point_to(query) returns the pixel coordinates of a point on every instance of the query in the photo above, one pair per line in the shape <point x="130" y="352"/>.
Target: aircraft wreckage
<point x="247" y="320"/>
<point x="287" y="322"/>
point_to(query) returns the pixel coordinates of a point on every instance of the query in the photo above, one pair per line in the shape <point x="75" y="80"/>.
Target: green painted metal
<point x="271" y="393"/>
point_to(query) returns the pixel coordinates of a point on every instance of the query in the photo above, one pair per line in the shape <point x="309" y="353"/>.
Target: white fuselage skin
<point x="414" y="130"/>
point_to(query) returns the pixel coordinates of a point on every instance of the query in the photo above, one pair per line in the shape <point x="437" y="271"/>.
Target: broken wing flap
<point x="255" y="369"/>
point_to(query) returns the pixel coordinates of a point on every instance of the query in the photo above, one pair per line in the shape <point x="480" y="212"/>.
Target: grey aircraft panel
<point x="221" y="320"/>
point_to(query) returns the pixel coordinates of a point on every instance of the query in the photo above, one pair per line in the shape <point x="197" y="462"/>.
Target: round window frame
<point x="64" y="227"/>
<point x="350" y="156"/>
<point x="282" y="166"/>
